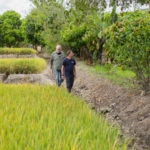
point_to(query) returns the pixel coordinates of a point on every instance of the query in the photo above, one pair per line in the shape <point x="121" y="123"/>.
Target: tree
<point x="128" y="44"/>
<point x="54" y="17"/>
<point x="70" y="16"/>
<point x="10" y="34"/>
<point x="34" y="28"/>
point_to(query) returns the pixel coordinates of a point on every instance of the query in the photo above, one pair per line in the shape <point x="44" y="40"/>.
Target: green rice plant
<point x="17" y="51"/>
<point x="22" y="65"/>
<point x="40" y="117"/>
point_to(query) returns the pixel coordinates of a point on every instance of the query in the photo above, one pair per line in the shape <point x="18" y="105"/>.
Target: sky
<point x="23" y="7"/>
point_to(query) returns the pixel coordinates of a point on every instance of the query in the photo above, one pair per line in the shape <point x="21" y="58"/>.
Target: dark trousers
<point x="69" y="83"/>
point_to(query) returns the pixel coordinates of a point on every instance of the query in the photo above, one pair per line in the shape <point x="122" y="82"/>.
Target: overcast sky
<point x="23" y="7"/>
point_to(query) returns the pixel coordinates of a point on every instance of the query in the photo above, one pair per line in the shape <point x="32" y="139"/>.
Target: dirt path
<point x="125" y="107"/>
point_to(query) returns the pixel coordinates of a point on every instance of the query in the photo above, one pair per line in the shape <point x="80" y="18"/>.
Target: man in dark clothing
<point x="56" y="60"/>
<point x="69" y="70"/>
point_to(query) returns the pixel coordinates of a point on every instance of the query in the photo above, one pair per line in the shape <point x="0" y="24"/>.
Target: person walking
<point x="56" y="60"/>
<point x="69" y="70"/>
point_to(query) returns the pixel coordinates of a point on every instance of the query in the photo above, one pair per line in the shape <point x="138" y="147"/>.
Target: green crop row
<point x="22" y="65"/>
<point x="18" y="51"/>
<point x="40" y="117"/>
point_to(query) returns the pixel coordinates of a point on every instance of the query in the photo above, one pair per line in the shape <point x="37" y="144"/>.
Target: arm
<point x="51" y="62"/>
<point x="74" y="71"/>
<point x="62" y="72"/>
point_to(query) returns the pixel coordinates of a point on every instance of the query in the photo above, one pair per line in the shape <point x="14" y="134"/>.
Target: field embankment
<point x="117" y="100"/>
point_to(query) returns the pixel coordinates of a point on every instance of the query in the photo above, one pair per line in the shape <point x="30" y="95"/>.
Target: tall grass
<point x="22" y="65"/>
<point x="18" y="51"/>
<point x="34" y="117"/>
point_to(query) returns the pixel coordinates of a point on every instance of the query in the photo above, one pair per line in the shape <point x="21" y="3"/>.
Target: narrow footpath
<point x="120" y="106"/>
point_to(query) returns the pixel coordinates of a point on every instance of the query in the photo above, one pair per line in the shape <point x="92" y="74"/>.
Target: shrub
<point x="24" y="65"/>
<point x="18" y="51"/>
<point x="73" y="36"/>
<point x="128" y="43"/>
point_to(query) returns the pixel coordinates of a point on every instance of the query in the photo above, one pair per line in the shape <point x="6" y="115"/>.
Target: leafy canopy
<point x="128" y="43"/>
<point x="10" y="33"/>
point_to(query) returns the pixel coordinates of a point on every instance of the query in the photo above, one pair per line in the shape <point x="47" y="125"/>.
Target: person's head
<point x="58" y="48"/>
<point x="70" y="53"/>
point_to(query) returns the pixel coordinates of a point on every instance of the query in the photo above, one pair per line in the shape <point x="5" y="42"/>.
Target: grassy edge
<point x="114" y="73"/>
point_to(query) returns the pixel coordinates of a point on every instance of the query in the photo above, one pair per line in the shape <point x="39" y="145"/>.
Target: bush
<point x="18" y="51"/>
<point x="128" y="43"/>
<point x="73" y="36"/>
<point x="24" y="65"/>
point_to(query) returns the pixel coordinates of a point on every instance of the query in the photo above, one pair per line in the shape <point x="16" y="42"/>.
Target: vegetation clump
<point x="17" y="51"/>
<point x="128" y="43"/>
<point x="22" y="65"/>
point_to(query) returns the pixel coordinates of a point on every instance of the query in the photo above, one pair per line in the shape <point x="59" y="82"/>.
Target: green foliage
<point x="116" y="73"/>
<point x="88" y="5"/>
<point x="47" y="117"/>
<point x="10" y="34"/>
<point x="24" y="42"/>
<point x="53" y="25"/>
<point x="62" y="16"/>
<point x="73" y="35"/>
<point x="24" y="65"/>
<point x="34" y="28"/>
<point x="91" y="35"/>
<point x="18" y="51"/>
<point x="114" y="15"/>
<point x="53" y="15"/>
<point x="128" y="43"/>
<point x="95" y="23"/>
<point x="84" y="32"/>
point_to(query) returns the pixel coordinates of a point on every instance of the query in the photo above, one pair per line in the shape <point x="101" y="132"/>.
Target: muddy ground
<point x="122" y="106"/>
